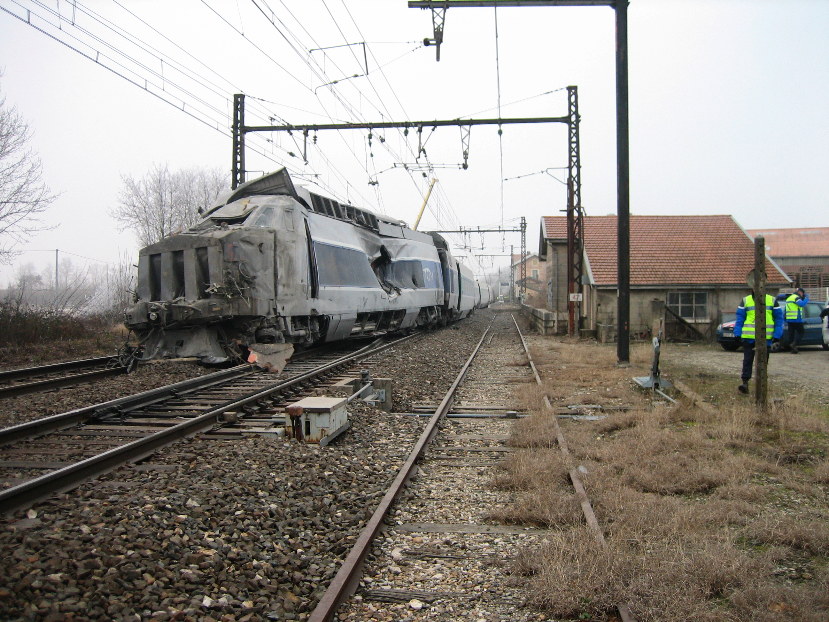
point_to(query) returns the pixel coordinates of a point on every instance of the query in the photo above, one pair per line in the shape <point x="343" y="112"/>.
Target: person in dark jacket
<point x="793" y="314"/>
<point x="745" y="328"/>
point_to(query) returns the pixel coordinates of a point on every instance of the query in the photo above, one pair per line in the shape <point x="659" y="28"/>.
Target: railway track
<point x="58" y="375"/>
<point x="439" y="552"/>
<point x="54" y="454"/>
<point x="254" y="526"/>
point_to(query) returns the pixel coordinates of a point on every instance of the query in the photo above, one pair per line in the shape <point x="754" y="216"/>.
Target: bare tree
<point x="23" y="194"/>
<point x="164" y="202"/>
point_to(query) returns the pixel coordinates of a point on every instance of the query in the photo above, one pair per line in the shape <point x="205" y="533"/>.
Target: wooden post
<point x="761" y="395"/>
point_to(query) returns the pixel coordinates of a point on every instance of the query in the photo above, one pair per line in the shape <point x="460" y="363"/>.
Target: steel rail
<point x="587" y="509"/>
<point x="345" y="581"/>
<point x="31" y="429"/>
<point x="27" y="372"/>
<point x="67" y="478"/>
<point x="120" y="405"/>
<point x="57" y="383"/>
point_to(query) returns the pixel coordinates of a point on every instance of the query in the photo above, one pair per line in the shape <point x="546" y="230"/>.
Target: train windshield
<point x="233" y="213"/>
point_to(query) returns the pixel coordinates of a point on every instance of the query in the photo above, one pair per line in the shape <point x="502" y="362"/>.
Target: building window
<point x="689" y="305"/>
<point x="535" y="274"/>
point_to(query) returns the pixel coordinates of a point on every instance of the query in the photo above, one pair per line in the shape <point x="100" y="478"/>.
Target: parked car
<point x="725" y="332"/>
<point x="815" y="332"/>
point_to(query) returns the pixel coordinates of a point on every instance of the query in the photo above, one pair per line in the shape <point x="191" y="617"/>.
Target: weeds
<point x="707" y="515"/>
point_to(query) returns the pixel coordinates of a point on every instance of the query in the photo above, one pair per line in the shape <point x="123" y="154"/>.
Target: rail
<point x="346" y="579"/>
<point x="111" y="367"/>
<point x="69" y="477"/>
<point x="578" y="487"/>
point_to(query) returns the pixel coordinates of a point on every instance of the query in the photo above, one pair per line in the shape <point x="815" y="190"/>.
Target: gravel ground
<point x="208" y="529"/>
<point x="806" y="371"/>
<point x="155" y="374"/>
<point x="454" y="575"/>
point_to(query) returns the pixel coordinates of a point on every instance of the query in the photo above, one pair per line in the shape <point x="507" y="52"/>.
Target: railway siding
<point x="441" y="556"/>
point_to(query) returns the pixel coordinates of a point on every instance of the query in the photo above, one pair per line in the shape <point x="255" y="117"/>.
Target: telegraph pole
<point x="761" y="394"/>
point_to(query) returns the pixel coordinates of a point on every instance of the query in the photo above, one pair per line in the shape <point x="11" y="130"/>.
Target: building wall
<point x="555" y="278"/>
<point x="810" y="273"/>
<point x="647" y="307"/>
<point x="536" y="284"/>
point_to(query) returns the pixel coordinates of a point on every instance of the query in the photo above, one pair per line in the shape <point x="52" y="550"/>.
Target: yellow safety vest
<point x="792" y="310"/>
<point x="748" y="326"/>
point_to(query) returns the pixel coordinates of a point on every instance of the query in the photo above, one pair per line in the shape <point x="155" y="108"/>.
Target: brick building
<point x="686" y="270"/>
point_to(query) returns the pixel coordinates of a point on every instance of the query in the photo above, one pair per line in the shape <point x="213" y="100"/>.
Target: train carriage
<point x="272" y="263"/>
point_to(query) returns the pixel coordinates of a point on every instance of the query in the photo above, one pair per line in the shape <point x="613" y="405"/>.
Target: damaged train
<point x="272" y="266"/>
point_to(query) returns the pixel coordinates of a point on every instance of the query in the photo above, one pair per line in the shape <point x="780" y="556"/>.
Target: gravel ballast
<point x="215" y="529"/>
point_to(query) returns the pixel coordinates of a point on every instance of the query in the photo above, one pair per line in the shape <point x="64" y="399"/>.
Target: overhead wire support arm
<point x="622" y="145"/>
<point x="452" y="4"/>
<point x="401" y="124"/>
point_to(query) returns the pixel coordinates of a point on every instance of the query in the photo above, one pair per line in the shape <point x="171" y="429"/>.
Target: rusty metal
<point x="575" y="212"/>
<point x="578" y="487"/>
<point x="346" y="579"/>
<point x="118" y="406"/>
<point x="111" y="365"/>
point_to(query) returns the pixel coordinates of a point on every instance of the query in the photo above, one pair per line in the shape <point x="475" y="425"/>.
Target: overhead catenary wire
<point x="191" y="70"/>
<point x="167" y="91"/>
<point x="319" y="71"/>
<point x="500" y="130"/>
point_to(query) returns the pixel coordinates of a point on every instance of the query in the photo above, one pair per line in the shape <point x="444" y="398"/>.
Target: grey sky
<point x="727" y="106"/>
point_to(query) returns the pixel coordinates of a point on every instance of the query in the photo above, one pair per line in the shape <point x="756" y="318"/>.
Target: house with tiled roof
<point x="685" y="270"/>
<point x="803" y="254"/>
<point x="534" y="290"/>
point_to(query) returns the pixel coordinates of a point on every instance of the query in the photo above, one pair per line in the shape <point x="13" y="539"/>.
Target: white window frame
<point x="691" y="310"/>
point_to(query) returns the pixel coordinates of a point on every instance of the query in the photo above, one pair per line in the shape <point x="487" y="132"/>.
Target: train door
<point x="457" y="275"/>
<point x="313" y="274"/>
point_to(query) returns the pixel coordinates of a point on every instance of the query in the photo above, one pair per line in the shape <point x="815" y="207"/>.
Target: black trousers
<point x="795" y="332"/>
<point x="748" y="358"/>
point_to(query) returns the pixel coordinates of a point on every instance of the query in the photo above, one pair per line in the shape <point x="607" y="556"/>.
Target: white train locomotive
<point x="274" y="264"/>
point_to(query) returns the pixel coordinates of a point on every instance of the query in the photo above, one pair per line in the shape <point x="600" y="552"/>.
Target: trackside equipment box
<point x="316" y="419"/>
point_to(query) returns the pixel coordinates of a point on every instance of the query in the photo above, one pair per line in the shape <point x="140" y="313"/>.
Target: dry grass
<point x="820" y="475"/>
<point x="807" y="534"/>
<point x="708" y="515"/>
<point x="549" y="505"/>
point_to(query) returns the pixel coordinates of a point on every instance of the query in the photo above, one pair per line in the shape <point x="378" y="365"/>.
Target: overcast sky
<point x="728" y="102"/>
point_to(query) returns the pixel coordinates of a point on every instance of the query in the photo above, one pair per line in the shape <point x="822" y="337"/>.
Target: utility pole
<point x="622" y="137"/>
<point x="238" y="173"/>
<point x="761" y="393"/>
<point x="575" y="215"/>
<point x="511" y="273"/>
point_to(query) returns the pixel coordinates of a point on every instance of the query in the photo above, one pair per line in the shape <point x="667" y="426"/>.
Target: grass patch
<point x="716" y="514"/>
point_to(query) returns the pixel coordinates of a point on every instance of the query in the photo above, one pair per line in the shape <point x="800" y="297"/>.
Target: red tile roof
<point x="812" y="242"/>
<point x="669" y="250"/>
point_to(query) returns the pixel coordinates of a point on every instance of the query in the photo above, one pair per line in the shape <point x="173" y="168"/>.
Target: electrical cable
<point x="500" y="131"/>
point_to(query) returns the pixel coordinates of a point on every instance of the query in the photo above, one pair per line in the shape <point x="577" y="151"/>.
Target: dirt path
<point x="806" y="371"/>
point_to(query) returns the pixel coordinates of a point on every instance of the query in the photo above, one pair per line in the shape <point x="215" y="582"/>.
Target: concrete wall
<point x="647" y="306"/>
<point x="541" y="320"/>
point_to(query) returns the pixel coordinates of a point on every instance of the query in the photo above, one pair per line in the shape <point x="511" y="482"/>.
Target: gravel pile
<point x="216" y="530"/>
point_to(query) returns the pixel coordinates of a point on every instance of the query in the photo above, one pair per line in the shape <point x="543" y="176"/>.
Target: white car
<point x="826" y="329"/>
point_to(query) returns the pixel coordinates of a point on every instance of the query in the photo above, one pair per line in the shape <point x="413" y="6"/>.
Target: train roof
<point x="279" y="182"/>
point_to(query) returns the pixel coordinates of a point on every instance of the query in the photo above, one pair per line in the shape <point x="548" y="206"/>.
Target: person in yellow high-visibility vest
<point x="744" y="327"/>
<point x="793" y="314"/>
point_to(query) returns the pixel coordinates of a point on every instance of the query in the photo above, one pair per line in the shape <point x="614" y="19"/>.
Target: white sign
<point x="575" y="297"/>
